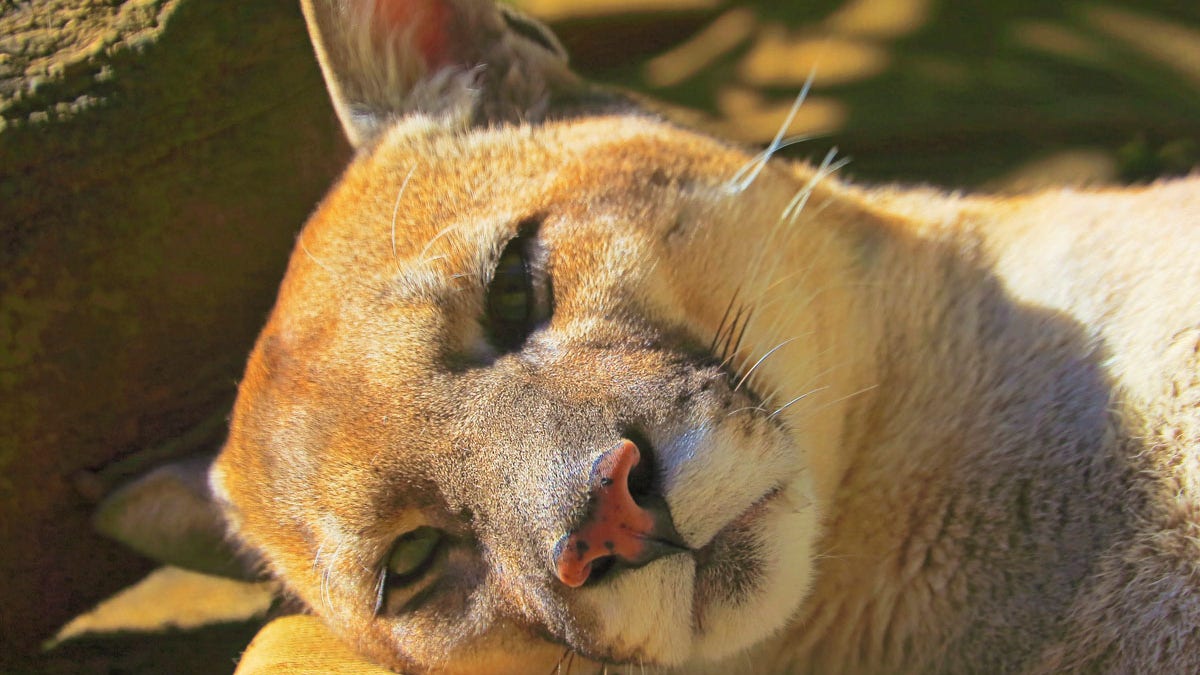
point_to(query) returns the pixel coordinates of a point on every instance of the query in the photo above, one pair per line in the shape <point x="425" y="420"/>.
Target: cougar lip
<point x="704" y="554"/>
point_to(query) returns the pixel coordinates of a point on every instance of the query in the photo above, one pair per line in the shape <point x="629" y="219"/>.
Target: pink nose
<point x="617" y="527"/>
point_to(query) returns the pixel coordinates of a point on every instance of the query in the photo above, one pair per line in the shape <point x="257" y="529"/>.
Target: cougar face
<point x="461" y="341"/>
<point x="550" y="378"/>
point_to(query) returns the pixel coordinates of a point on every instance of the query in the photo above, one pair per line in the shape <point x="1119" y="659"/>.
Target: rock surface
<point x="157" y="158"/>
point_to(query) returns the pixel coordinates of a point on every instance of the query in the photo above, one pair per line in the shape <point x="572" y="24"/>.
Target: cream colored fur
<point x="958" y="434"/>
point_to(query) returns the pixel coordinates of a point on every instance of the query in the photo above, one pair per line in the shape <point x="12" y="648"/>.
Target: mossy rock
<point x="157" y="158"/>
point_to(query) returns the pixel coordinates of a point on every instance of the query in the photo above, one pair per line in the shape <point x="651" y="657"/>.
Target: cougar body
<point x="893" y="430"/>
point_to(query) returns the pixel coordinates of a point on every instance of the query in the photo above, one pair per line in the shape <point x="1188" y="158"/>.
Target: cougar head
<point x="502" y="410"/>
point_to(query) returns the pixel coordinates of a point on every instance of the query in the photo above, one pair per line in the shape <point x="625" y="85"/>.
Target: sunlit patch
<point x="782" y="59"/>
<point x="1080" y="167"/>
<point x="880" y="18"/>
<point x="749" y="117"/>
<point x="702" y="50"/>
<point x="170" y="599"/>
<point x="1051" y="38"/>
<point x="553" y="10"/>
<point x="1174" y="46"/>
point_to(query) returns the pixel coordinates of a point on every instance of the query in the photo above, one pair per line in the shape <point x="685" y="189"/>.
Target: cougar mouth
<point x="744" y="520"/>
<point x="735" y="542"/>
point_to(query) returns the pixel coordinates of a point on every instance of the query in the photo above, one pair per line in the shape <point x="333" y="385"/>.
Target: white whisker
<point x="799" y="398"/>
<point x="304" y="247"/>
<point x="796" y="206"/>
<point x="317" y="557"/>
<point x="759" y="362"/>
<point x="764" y="156"/>
<point x="747" y="409"/>
<point x="789" y="214"/>
<point x="740" y="182"/>
<point x="327" y="268"/>
<point x="326" y="598"/>
<point x="425" y="250"/>
<point x="844" y="398"/>
<point x="396" y="212"/>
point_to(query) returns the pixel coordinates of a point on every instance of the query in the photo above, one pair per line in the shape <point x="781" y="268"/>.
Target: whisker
<point x="737" y="344"/>
<point x="820" y="376"/>
<point x="558" y="666"/>
<point x="747" y="409"/>
<point x="759" y="362"/>
<point x="765" y="155"/>
<point x="323" y="570"/>
<point x="740" y="182"/>
<point x="329" y="270"/>
<point x="317" y="569"/>
<point x="826" y="169"/>
<point x="790" y="213"/>
<point x="799" y="398"/>
<point x="380" y="591"/>
<point x="304" y="247"/>
<point x="723" y="354"/>
<point x="844" y="398"/>
<point x="395" y="212"/>
<point x="326" y="576"/>
<point x="712" y="348"/>
<point x="429" y="244"/>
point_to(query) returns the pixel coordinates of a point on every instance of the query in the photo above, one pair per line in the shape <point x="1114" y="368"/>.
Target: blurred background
<point x="157" y="158"/>
<point x="992" y="94"/>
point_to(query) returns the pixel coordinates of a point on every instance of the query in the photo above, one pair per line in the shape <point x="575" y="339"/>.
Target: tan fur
<point x="991" y="464"/>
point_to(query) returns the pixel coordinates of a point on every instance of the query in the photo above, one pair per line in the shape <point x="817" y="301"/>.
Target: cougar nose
<point x="618" y="528"/>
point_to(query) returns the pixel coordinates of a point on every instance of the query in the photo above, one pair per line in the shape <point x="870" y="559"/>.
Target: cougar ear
<point x="169" y="514"/>
<point x="457" y="61"/>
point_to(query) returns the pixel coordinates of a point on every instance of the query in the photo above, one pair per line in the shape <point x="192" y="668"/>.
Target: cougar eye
<point x="518" y="295"/>
<point x="412" y="555"/>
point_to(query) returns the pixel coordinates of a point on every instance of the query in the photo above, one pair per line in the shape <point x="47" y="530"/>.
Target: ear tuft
<point x="458" y="61"/>
<point x="169" y="515"/>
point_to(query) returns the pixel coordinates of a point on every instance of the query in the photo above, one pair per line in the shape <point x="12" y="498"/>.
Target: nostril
<point x="618" y="532"/>
<point x="600" y="568"/>
<point x="643" y="477"/>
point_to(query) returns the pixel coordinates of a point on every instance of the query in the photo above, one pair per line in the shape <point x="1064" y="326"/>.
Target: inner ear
<point x="457" y="61"/>
<point x="429" y="33"/>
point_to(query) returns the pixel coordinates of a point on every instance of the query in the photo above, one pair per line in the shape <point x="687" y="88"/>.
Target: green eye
<point x="412" y="555"/>
<point x="511" y="294"/>
<point x="519" y="297"/>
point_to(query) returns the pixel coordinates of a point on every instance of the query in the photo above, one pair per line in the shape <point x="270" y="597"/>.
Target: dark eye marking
<point x="518" y="299"/>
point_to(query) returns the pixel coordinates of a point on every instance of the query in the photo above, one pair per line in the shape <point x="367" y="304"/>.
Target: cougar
<point x="552" y="379"/>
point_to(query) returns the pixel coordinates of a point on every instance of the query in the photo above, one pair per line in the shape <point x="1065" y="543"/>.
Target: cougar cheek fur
<point x="550" y="377"/>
